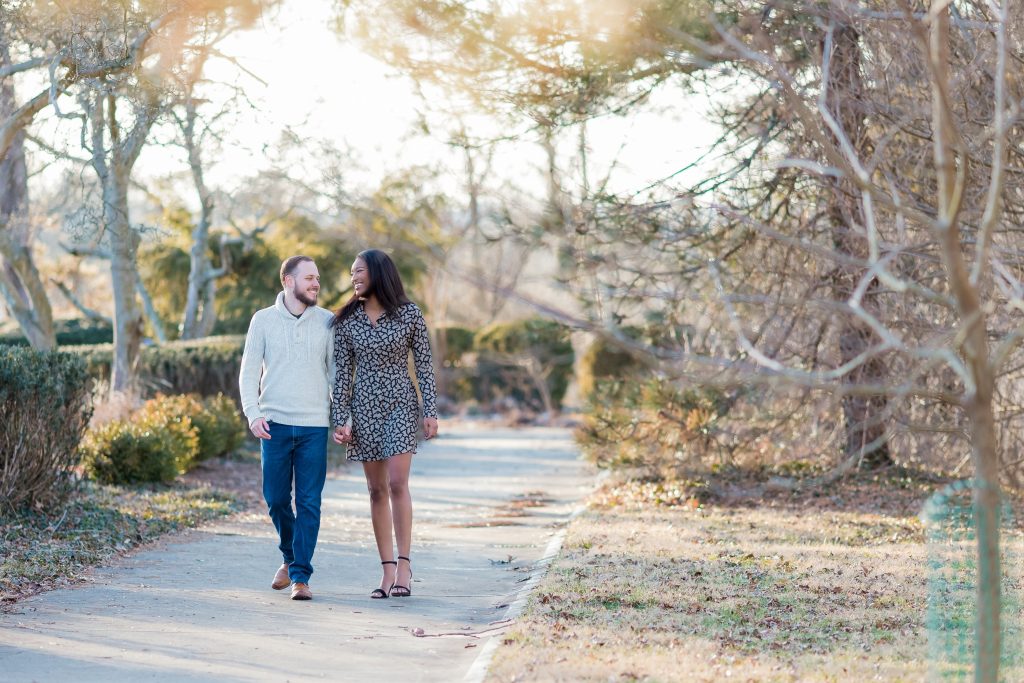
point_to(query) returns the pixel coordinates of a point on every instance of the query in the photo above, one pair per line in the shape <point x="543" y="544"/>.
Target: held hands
<point x="260" y="429"/>
<point x="342" y="434"/>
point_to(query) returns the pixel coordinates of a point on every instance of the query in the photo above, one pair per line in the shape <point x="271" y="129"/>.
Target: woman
<point x="373" y="334"/>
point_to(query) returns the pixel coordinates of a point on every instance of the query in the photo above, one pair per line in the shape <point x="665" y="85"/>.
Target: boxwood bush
<point x="167" y="436"/>
<point x="126" y="452"/>
<point x="457" y="379"/>
<point x="514" y="358"/>
<point x="221" y="427"/>
<point x="215" y="419"/>
<point x="71" y="332"/>
<point x="603" y="362"/>
<point x="205" y="366"/>
<point x="45" y="403"/>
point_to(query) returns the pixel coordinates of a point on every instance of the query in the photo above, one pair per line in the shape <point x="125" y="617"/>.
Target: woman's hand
<point x="429" y="427"/>
<point x="342" y="434"/>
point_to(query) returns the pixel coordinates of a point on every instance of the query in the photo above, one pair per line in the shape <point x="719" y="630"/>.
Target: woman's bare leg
<point x="380" y="514"/>
<point x="401" y="511"/>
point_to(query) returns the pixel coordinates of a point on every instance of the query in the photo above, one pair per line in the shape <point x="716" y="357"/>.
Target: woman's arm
<point x="424" y="364"/>
<point x="344" y="364"/>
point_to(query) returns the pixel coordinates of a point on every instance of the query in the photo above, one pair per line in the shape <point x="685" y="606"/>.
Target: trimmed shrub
<point x="156" y="444"/>
<point x="458" y="341"/>
<point x="124" y="452"/>
<point x="456" y="380"/>
<point x="228" y="430"/>
<point x="69" y="332"/>
<point x="171" y="417"/>
<point x="603" y="362"/>
<point x="206" y="367"/>
<point x="523" y="360"/>
<point x="46" y="403"/>
<point x="167" y="436"/>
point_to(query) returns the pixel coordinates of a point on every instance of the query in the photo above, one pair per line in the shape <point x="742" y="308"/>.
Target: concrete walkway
<point x="488" y="504"/>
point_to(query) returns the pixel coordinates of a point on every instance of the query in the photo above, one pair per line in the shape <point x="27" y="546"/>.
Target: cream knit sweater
<point x="287" y="365"/>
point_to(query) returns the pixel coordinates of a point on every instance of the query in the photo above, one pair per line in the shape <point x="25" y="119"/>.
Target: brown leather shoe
<point x="281" y="580"/>
<point x="300" y="591"/>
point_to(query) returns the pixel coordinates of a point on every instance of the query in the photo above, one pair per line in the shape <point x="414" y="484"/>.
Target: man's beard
<point x="305" y="299"/>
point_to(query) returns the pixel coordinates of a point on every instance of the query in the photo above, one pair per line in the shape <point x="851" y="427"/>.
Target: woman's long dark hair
<point x="385" y="284"/>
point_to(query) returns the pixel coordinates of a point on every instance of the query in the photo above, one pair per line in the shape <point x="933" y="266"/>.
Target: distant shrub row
<point x="69" y="333"/>
<point x="166" y="437"/>
<point x="527" y="363"/>
<point x="206" y="366"/>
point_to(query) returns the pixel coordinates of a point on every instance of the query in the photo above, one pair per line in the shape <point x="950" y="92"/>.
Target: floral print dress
<point x="381" y="399"/>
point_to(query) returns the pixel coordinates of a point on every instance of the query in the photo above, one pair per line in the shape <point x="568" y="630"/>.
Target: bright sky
<point x="325" y="87"/>
<point x="322" y="86"/>
<point x="314" y="83"/>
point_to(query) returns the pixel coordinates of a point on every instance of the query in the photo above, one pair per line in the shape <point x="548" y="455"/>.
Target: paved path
<point x="199" y="606"/>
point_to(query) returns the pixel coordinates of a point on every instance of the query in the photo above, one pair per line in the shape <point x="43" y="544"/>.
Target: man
<point x="284" y="383"/>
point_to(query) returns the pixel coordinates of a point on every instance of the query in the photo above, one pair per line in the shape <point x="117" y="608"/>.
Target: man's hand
<point x="429" y="427"/>
<point x="342" y="434"/>
<point x="260" y="429"/>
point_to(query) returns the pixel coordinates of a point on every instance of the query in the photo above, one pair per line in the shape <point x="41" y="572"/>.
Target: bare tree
<point x="117" y="114"/>
<point x="20" y="283"/>
<point x="201" y="276"/>
<point x="199" y="130"/>
<point x="860" y="240"/>
<point x="936" y="241"/>
<point x="43" y="35"/>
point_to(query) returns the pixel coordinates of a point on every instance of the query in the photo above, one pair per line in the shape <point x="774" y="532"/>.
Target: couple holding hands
<point x="306" y="370"/>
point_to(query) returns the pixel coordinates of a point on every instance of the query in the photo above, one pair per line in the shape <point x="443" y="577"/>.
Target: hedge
<point x="167" y="436"/>
<point x="46" y="403"/>
<point x="603" y="361"/>
<point x="206" y="367"/>
<point x="504" y="350"/>
<point x="69" y="333"/>
<point x="458" y="341"/>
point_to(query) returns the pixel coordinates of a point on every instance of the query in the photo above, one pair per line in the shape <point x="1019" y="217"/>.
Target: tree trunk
<point x="199" y="266"/>
<point x="987" y="501"/>
<point x="209" y="317"/>
<point x="864" y="416"/>
<point x="151" y="313"/>
<point x="199" y="276"/>
<point x="440" y="350"/>
<point x="24" y="293"/>
<point x="20" y="282"/>
<point x="946" y="146"/>
<point x="124" y="244"/>
<point x="540" y="381"/>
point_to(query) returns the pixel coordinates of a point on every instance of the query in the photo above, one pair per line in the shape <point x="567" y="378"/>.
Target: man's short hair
<point x="290" y="264"/>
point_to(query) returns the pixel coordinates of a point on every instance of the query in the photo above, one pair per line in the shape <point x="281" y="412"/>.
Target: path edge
<point x="478" y="670"/>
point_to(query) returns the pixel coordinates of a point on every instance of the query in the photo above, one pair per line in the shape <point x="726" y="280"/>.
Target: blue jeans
<point x="299" y="454"/>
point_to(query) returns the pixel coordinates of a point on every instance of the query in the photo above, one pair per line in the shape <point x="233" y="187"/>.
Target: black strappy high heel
<point x="401" y="591"/>
<point x="380" y="593"/>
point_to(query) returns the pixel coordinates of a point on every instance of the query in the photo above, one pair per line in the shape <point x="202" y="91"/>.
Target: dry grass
<point x="43" y="550"/>
<point x="652" y="584"/>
